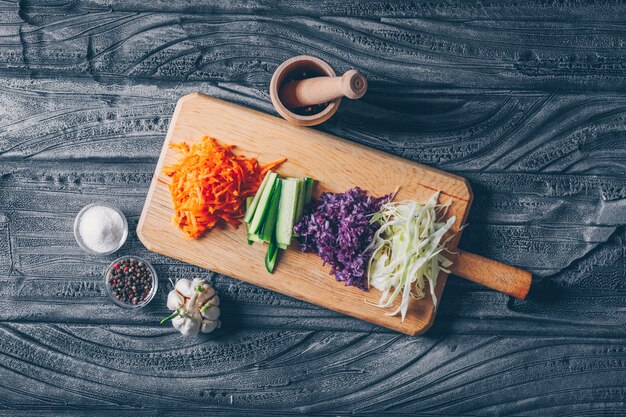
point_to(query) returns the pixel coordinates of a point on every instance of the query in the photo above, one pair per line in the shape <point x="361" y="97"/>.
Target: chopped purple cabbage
<point x="338" y="230"/>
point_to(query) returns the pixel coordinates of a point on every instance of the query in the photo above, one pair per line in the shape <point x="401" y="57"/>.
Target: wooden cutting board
<point x="336" y="164"/>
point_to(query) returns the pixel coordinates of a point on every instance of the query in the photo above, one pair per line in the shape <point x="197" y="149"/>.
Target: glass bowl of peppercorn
<point x="131" y="282"/>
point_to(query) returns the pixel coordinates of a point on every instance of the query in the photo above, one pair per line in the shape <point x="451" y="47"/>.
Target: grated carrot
<point x="210" y="183"/>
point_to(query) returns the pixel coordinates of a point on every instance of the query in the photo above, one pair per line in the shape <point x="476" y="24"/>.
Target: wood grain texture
<point x="495" y="275"/>
<point x="335" y="164"/>
<point x="524" y="99"/>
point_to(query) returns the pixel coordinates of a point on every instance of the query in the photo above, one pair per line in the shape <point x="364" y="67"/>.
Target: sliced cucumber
<point x="263" y="204"/>
<point x="300" y="201"/>
<point x="286" y="212"/>
<point x="308" y="192"/>
<point x="255" y="201"/>
<point x="248" y="202"/>
<point x="254" y="237"/>
<point x="270" y="220"/>
<point x="273" y="211"/>
<point x="271" y="256"/>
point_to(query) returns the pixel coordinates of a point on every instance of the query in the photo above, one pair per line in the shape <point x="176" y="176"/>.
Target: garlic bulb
<point x="195" y="305"/>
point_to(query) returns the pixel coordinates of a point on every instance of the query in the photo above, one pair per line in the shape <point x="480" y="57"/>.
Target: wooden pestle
<point x="318" y="90"/>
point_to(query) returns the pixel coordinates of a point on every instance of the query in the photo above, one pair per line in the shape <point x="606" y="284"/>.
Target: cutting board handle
<point x="492" y="274"/>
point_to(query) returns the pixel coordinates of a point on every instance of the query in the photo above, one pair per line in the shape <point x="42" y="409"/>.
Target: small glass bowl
<point x="79" y="240"/>
<point x="155" y="283"/>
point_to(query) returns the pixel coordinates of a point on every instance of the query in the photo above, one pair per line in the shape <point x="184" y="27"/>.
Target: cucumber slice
<point x="304" y="198"/>
<point x="270" y="220"/>
<point x="271" y="256"/>
<point x="263" y="204"/>
<point x="308" y="192"/>
<point x="254" y="237"/>
<point x="248" y="202"/>
<point x="300" y="205"/>
<point x="255" y="201"/>
<point x="286" y="212"/>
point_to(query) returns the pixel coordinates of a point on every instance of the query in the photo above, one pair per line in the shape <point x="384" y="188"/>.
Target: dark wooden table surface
<point x="525" y="99"/>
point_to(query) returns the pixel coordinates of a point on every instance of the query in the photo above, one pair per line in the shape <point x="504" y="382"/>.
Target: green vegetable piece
<point x="170" y="317"/>
<point x="263" y="206"/>
<point x="198" y="288"/>
<point x="252" y="237"/>
<point x="286" y="212"/>
<point x="301" y="192"/>
<point x="255" y="238"/>
<point x="270" y="221"/>
<point x="255" y="201"/>
<point x="300" y="201"/>
<point x="308" y="192"/>
<point x="271" y="256"/>
<point x="248" y="204"/>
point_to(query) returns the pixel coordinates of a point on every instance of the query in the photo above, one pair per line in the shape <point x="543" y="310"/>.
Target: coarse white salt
<point x="101" y="229"/>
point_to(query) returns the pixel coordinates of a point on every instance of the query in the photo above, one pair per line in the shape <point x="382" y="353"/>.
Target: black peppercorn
<point x="130" y="281"/>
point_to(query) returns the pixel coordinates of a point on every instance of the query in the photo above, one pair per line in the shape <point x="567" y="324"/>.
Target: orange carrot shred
<point x="272" y="165"/>
<point x="210" y="183"/>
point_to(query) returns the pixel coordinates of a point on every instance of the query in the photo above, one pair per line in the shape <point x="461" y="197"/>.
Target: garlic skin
<point x="173" y="300"/>
<point x="215" y="301"/>
<point x="187" y="326"/>
<point x="208" y="293"/>
<point x="212" y="313"/>
<point x="209" y="325"/>
<point x="197" y="307"/>
<point x="185" y="287"/>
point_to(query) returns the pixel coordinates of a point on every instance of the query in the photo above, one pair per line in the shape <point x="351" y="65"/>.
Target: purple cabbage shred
<point x="338" y="230"/>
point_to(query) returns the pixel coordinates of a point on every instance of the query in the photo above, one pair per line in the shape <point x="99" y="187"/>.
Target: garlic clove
<point x="203" y="297"/>
<point x="212" y="313"/>
<point x="208" y="326"/>
<point x="197" y="281"/>
<point x="185" y="287"/>
<point x="177" y="322"/>
<point x="189" y="326"/>
<point x="191" y="303"/>
<point x="209" y="291"/>
<point x="173" y="300"/>
<point x="215" y="300"/>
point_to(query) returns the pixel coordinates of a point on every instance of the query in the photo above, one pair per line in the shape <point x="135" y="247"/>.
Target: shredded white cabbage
<point x="407" y="249"/>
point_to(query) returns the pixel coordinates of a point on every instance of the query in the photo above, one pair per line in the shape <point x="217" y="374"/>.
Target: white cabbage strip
<point x="407" y="249"/>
